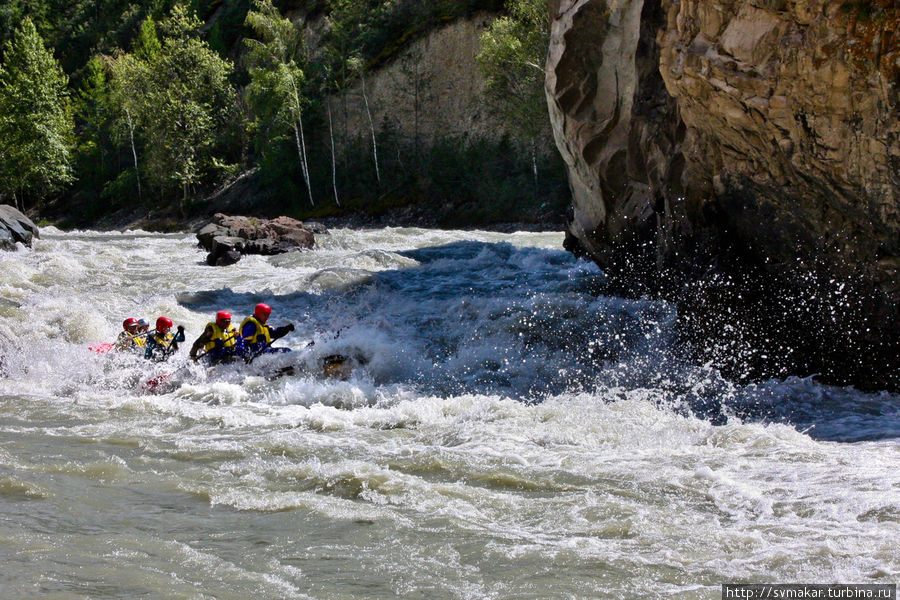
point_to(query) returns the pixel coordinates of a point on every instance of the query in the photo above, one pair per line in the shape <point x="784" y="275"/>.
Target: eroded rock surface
<point x="742" y="153"/>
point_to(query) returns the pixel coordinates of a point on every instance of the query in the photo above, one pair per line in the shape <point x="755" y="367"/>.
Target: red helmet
<point x="262" y="311"/>
<point x="129" y="322"/>
<point x="222" y="316"/>
<point x="163" y="324"/>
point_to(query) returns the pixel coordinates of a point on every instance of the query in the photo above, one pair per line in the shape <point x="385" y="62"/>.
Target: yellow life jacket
<point x="163" y="339"/>
<point x="126" y="341"/>
<point x="229" y="336"/>
<point x="262" y="333"/>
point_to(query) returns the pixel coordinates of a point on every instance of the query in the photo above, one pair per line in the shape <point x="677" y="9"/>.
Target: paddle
<point x="173" y="345"/>
<point x="154" y="383"/>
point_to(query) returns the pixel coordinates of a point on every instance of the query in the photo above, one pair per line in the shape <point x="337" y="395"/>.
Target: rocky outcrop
<point x="742" y="157"/>
<point x="429" y="91"/>
<point x="227" y="238"/>
<point x="15" y="227"/>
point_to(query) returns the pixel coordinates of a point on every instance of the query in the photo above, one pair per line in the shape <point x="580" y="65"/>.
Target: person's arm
<point x="280" y="332"/>
<point x="200" y="342"/>
<point x="240" y="348"/>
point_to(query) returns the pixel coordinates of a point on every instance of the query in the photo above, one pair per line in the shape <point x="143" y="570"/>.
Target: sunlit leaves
<point x="511" y="60"/>
<point x="36" y="124"/>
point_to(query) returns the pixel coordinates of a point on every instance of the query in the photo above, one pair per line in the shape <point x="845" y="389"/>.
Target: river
<point x="508" y="432"/>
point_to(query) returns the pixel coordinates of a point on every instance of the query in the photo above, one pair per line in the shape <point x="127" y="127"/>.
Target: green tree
<point x="128" y="93"/>
<point x="92" y="112"/>
<point x="187" y="104"/>
<point x="512" y="57"/>
<point x="36" y="123"/>
<point x="274" y="60"/>
<point x="351" y="26"/>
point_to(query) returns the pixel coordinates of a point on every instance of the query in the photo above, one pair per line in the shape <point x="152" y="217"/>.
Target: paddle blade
<point x="101" y="348"/>
<point x="156" y="384"/>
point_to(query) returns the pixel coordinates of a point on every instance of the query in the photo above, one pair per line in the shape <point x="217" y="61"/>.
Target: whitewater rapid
<point x="509" y="432"/>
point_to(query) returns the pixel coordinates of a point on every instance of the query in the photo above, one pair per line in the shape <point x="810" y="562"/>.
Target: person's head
<point x="262" y="312"/>
<point x="163" y="324"/>
<point x="223" y="318"/>
<point x="130" y="325"/>
<point x="143" y="325"/>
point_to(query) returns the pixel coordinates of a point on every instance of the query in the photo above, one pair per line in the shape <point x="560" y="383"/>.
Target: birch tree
<point x="274" y="61"/>
<point x="356" y="65"/>
<point x="127" y="93"/>
<point x="188" y="104"/>
<point x="513" y="52"/>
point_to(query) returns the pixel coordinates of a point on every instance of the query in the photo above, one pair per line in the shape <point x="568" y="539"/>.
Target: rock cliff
<point x="742" y="158"/>
<point x="430" y="90"/>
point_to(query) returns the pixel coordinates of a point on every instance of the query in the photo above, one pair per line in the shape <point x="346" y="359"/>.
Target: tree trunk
<point x="416" y="112"/>
<point x="301" y="152"/>
<point x="301" y="140"/>
<point x="371" y="127"/>
<point x="333" y="160"/>
<point x="137" y="173"/>
<point x="534" y="166"/>
<point x="305" y="159"/>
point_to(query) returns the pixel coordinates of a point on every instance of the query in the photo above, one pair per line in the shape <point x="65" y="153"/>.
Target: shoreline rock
<point x="15" y="227"/>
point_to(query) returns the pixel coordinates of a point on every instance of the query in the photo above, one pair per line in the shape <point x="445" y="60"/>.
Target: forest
<point x="150" y="106"/>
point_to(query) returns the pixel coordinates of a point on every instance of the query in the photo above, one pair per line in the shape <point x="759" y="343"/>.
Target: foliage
<point x="276" y="78"/>
<point x="186" y="103"/>
<point x="274" y="62"/>
<point x="511" y="60"/>
<point x="162" y="114"/>
<point x="93" y="127"/>
<point x="36" y="125"/>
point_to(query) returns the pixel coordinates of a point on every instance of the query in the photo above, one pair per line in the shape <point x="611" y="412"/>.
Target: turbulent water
<point x="508" y="432"/>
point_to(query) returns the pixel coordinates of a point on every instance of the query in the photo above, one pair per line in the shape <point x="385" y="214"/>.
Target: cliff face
<point x="430" y="90"/>
<point x="742" y="153"/>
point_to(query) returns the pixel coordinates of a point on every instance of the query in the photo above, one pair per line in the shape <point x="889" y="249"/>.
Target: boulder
<point x="229" y="258"/>
<point x="15" y="227"/>
<point x="315" y="227"/>
<point x="226" y="236"/>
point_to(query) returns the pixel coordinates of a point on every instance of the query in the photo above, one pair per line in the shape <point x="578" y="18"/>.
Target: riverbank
<point x="170" y="218"/>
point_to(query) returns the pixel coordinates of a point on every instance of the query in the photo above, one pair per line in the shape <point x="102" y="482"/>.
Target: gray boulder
<point x="227" y="238"/>
<point x="15" y="227"/>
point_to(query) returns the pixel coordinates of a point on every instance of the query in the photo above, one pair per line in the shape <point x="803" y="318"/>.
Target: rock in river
<point x="227" y="238"/>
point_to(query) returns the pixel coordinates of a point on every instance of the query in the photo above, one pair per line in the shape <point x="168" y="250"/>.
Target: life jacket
<point x="126" y="341"/>
<point x="227" y="337"/>
<point x="162" y="339"/>
<point x="262" y="334"/>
